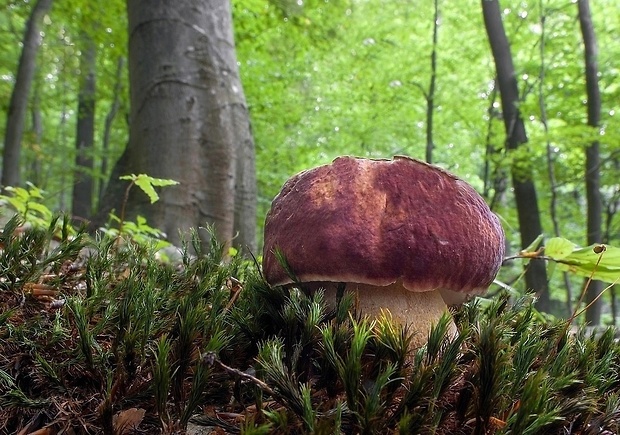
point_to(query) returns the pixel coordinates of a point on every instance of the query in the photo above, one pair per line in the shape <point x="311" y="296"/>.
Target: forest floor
<point x="99" y="336"/>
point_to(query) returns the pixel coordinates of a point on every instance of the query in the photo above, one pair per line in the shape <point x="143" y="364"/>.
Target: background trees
<point x="526" y="199"/>
<point x="18" y="104"/>
<point x="592" y="155"/>
<point x="343" y="77"/>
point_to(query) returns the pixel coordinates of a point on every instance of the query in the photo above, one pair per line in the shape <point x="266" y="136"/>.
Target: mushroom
<point x="404" y="236"/>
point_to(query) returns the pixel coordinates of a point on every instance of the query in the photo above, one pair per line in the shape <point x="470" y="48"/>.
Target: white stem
<point x="418" y="310"/>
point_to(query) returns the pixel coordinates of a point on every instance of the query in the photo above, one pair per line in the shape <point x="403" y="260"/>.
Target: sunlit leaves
<point x="559" y="248"/>
<point x="147" y="184"/>
<point x="602" y="262"/>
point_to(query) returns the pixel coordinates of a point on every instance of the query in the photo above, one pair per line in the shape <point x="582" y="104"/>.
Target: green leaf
<point x="559" y="248"/>
<point x="534" y="245"/>
<point x="591" y="261"/>
<point x="146" y="183"/>
<point x="147" y="187"/>
<point x="161" y="182"/>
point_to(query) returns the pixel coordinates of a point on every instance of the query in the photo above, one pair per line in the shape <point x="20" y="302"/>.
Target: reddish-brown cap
<point x="380" y="221"/>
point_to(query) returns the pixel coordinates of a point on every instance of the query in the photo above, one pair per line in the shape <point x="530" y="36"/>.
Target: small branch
<point x="123" y="207"/>
<point x="585" y="289"/>
<point x="577" y="314"/>
<point x="538" y="256"/>
<point x="235" y="286"/>
<point x="211" y="359"/>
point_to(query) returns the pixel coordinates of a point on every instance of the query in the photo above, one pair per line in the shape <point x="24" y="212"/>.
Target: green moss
<point x="207" y="340"/>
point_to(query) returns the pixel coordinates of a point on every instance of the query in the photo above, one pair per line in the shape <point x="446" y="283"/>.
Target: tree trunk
<point x="189" y="121"/>
<point x="592" y="170"/>
<point x="35" y="175"/>
<point x="64" y="143"/>
<point x="82" y="202"/>
<point x="18" y="105"/>
<point x="107" y="127"/>
<point x="524" y="189"/>
<point x="495" y="176"/>
<point x="553" y="185"/>
<point x="430" y="97"/>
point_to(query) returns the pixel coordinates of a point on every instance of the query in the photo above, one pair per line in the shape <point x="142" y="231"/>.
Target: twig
<point x="585" y="287"/>
<point x="597" y="297"/>
<point x="211" y="359"/>
<point x="600" y="249"/>
<point x="235" y="286"/>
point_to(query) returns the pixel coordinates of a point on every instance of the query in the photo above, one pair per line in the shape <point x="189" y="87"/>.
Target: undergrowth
<point x="98" y="336"/>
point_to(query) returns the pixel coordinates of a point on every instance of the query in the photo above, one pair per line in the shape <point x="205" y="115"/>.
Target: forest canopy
<point x="324" y="78"/>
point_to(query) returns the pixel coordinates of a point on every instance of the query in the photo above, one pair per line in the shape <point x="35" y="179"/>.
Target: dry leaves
<point x="127" y="420"/>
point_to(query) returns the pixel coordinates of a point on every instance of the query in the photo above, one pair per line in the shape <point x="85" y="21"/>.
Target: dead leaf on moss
<point x="127" y="420"/>
<point x="39" y="289"/>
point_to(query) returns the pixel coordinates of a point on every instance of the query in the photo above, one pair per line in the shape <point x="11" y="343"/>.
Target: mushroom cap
<point x="377" y="222"/>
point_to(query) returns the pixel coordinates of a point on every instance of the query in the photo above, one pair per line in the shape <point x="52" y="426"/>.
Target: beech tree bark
<point x="18" y="106"/>
<point x="524" y="189"/>
<point x="593" y="161"/>
<point x="188" y="122"/>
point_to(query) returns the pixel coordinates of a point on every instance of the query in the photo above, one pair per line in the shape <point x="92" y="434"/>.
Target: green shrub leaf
<point x="147" y="184"/>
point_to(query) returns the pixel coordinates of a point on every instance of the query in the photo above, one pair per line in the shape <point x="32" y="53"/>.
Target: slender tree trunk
<point x="524" y="189"/>
<point x="37" y="135"/>
<point x="430" y="96"/>
<point x="64" y="143"/>
<point x="82" y="201"/>
<point x="189" y="121"/>
<point x="18" y="105"/>
<point x="592" y="166"/>
<point x="553" y="186"/>
<point x="495" y="177"/>
<point x="611" y="210"/>
<point x="107" y="128"/>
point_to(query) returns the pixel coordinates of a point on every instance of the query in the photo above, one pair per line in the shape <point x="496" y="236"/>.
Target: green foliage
<point x="601" y="262"/>
<point x="161" y="378"/>
<point x="48" y="149"/>
<point x="121" y="320"/>
<point x="28" y="203"/>
<point x="147" y="184"/>
<point x="28" y="253"/>
<point x="139" y="232"/>
<point x="356" y="84"/>
<point x="322" y="79"/>
<point x="326" y="78"/>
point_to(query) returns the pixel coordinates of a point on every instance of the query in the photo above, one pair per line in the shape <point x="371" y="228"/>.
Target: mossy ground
<point x="98" y="336"/>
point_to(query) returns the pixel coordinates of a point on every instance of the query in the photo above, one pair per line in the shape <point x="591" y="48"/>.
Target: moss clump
<point x="97" y="336"/>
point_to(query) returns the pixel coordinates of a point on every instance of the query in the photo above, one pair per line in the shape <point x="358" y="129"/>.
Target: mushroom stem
<point x="417" y="310"/>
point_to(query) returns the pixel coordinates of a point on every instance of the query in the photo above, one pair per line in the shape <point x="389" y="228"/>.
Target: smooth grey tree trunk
<point x="83" y="183"/>
<point x="189" y="121"/>
<point x="18" y="105"/>
<point x="524" y="189"/>
<point x="593" y="160"/>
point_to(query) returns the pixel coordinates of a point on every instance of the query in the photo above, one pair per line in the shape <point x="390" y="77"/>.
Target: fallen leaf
<point x="127" y="420"/>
